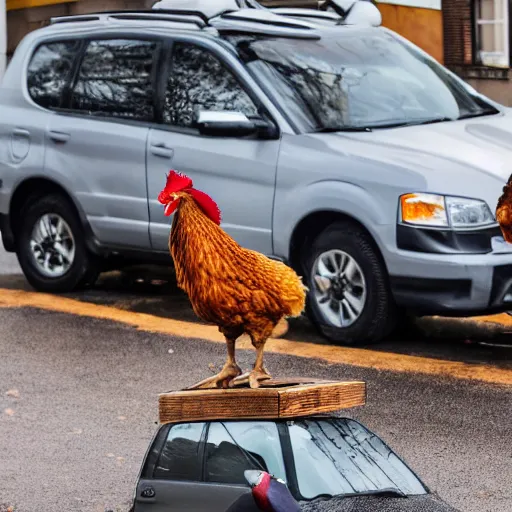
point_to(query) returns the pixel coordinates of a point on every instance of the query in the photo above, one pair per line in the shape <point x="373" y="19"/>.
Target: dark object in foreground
<point x="328" y="463"/>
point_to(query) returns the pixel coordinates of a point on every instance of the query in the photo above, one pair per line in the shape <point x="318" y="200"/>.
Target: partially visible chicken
<point x="239" y="290"/>
<point x="504" y="211"/>
<point x="269" y="494"/>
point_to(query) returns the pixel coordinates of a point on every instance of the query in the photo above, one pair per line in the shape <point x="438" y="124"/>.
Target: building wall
<point x="458" y="34"/>
<point x="422" y="26"/>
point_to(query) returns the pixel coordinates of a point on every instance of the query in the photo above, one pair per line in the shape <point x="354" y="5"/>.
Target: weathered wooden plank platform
<point x="275" y="399"/>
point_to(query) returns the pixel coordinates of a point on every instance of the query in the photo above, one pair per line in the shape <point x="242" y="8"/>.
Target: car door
<point x="238" y="173"/>
<point x="200" y="467"/>
<point x="96" y="145"/>
<point x="171" y="483"/>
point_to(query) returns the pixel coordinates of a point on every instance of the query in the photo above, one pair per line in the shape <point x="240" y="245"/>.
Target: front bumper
<point x="452" y="282"/>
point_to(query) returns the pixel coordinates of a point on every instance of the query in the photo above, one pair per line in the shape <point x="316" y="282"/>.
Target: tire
<point x="377" y="312"/>
<point x="81" y="271"/>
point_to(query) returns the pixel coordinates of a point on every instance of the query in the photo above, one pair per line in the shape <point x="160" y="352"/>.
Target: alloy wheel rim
<point x="339" y="288"/>
<point x="52" y="245"/>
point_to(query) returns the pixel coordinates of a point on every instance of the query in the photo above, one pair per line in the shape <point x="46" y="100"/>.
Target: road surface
<point x="80" y="375"/>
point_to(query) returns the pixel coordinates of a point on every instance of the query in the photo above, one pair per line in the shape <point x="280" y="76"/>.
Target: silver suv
<point x="339" y="148"/>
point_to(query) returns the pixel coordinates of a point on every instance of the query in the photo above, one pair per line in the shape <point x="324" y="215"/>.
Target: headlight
<point x="444" y="211"/>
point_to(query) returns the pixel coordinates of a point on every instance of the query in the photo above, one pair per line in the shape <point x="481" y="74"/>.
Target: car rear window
<point x="49" y="71"/>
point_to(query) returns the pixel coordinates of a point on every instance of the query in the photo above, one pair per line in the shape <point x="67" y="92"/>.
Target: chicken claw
<point x="221" y="380"/>
<point x="253" y="378"/>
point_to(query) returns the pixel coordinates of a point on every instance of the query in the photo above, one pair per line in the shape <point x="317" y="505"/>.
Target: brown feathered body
<point x="237" y="289"/>
<point x="504" y="211"/>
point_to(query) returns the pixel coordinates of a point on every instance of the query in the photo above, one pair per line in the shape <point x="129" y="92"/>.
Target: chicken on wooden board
<point x="504" y="211"/>
<point x="237" y="289"/>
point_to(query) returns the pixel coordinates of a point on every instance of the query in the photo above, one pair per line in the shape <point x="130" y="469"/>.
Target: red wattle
<point x="171" y="207"/>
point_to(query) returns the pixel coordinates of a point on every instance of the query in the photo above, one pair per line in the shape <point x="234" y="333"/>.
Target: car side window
<point x="116" y="80"/>
<point x="180" y="456"/>
<point x="49" y="71"/>
<point x="199" y="81"/>
<point x="233" y="447"/>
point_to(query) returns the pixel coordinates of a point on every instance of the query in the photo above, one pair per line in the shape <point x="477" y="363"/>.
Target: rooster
<point x="239" y="290"/>
<point x="504" y="211"/>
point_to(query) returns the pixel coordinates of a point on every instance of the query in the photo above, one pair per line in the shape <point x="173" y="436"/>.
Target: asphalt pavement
<point x="78" y="398"/>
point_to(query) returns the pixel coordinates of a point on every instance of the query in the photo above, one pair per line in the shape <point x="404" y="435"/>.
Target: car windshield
<point x="339" y="456"/>
<point x="362" y="78"/>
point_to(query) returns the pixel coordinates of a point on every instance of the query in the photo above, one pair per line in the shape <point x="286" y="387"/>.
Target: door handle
<point x="162" y="150"/>
<point x="148" y="494"/>
<point x="59" y="136"/>
<point x="21" y="133"/>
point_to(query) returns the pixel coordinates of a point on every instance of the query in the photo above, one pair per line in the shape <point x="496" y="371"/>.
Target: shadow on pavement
<point x="153" y="290"/>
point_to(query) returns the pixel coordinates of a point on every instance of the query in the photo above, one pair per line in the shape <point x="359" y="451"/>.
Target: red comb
<point x="207" y="204"/>
<point x="176" y="182"/>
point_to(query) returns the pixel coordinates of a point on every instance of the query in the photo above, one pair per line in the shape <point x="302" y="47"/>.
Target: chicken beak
<point x="253" y="476"/>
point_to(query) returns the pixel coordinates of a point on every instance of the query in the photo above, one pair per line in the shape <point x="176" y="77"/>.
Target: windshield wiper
<point x="418" y="122"/>
<point x="344" y="129"/>
<point x="390" y="493"/>
<point x="486" y="112"/>
<point x="396" y="124"/>
<point x="435" y="120"/>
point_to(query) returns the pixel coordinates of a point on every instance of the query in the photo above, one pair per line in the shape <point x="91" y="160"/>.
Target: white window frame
<point x="494" y="59"/>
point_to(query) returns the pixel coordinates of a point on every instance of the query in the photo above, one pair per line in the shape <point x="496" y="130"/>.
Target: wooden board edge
<point x="322" y="385"/>
<point x="294" y="403"/>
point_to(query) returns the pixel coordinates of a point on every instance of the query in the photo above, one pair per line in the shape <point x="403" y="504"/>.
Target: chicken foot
<point x="258" y="373"/>
<point x="226" y="375"/>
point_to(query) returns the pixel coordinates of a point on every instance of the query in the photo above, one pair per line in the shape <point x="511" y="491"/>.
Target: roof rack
<point x="208" y="8"/>
<point x="265" y="17"/>
<point x="192" y="17"/>
<point x="264" y="22"/>
<point x="71" y="19"/>
<point x="310" y="15"/>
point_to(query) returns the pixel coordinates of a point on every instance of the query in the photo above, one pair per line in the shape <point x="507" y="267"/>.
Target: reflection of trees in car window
<point x="179" y="459"/>
<point x="354" y="80"/>
<point x="341" y="456"/>
<point x="226" y="462"/>
<point x="49" y="70"/>
<point x="198" y="81"/>
<point x="115" y="79"/>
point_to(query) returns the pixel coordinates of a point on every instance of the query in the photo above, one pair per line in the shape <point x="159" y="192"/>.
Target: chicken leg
<point x="259" y="372"/>
<point x="226" y="375"/>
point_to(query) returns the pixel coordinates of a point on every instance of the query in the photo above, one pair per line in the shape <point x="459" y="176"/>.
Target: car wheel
<point x="51" y="248"/>
<point x="349" y="299"/>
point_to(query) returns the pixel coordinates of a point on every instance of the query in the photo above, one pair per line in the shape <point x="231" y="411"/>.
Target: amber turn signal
<point x="424" y="209"/>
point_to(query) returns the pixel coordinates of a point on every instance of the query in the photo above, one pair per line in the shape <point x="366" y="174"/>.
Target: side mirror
<point x="233" y="124"/>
